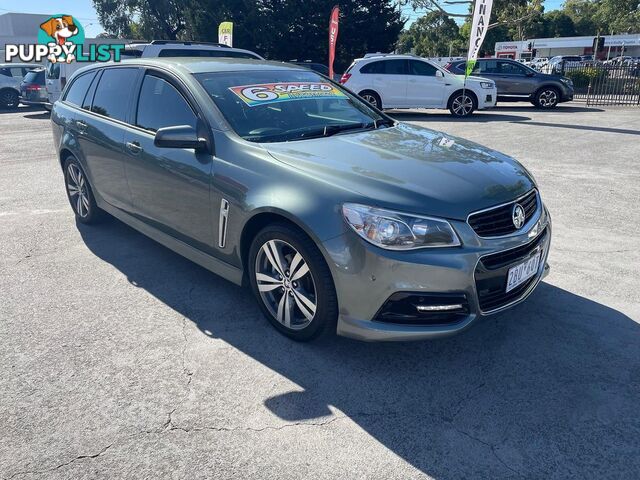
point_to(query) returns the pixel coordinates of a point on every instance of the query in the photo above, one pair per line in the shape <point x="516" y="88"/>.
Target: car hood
<point x="409" y="168"/>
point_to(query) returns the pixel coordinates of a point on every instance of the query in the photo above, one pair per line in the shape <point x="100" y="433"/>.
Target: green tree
<point x="558" y="24"/>
<point x="162" y="19"/>
<point x="434" y="34"/>
<point x="294" y="29"/>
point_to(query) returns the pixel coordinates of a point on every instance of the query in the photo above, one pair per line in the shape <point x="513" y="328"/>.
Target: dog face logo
<point x="62" y="31"/>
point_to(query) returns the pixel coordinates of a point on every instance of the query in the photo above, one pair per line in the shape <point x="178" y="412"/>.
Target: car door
<point x="101" y="132"/>
<point x="390" y="81"/>
<point x="424" y="88"/>
<point x="170" y="186"/>
<point x="514" y="76"/>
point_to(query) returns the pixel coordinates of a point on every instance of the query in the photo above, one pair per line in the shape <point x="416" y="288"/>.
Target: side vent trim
<point x="223" y="222"/>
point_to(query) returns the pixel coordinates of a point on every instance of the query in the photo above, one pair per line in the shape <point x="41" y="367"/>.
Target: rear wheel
<point x="292" y="283"/>
<point x="462" y="104"/>
<point x="372" y="97"/>
<point x="547" y="97"/>
<point x="9" y="99"/>
<point x="79" y="193"/>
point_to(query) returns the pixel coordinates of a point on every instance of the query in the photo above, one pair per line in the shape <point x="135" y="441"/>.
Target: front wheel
<point x="547" y="98"/>
<point x="292" y="283"/>
<point x="462" y="104"/>
<point x="9" y="99"/>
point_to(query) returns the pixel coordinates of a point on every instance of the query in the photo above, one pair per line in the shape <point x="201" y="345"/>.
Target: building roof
<point x="609" y="40"/>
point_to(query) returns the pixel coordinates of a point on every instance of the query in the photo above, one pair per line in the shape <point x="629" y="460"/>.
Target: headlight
<point x="487" y="84"/>
<point x="568" y="81"/>
<point x="398" y="231"/>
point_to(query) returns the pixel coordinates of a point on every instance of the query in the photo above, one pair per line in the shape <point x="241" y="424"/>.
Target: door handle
<point x="133" y="147"/>
<point x="82" y="127"/>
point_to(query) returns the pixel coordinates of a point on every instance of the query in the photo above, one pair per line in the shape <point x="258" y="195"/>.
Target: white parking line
<point x="32" y="212"/>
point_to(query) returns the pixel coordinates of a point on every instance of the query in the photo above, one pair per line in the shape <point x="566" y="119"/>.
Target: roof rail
<point x="169" y="42"/>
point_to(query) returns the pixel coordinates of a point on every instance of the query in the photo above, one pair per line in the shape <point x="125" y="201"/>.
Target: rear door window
<point x="161" y="105"/>
<point x="112" y="93"/>
<point x="386" y="67"/>
<point x="78" y="89"/>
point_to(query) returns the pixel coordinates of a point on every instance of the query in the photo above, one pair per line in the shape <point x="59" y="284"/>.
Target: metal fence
<point x="604" y="84"/>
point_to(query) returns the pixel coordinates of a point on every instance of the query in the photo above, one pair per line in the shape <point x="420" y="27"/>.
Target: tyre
<point x="9" y="99"/>
<point x="547" y="97"/>
<point x="292" y="283"/>
<point x="462" y="104"/>
<point x="80" y="194"/>
<point x="372" y="97"/>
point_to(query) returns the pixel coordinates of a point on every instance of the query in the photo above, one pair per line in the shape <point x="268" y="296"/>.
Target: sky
<point x="83" y="10"/>
<point x="414" y="15"/>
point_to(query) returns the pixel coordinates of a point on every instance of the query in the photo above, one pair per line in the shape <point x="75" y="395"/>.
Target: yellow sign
<point x="225" y="33"/>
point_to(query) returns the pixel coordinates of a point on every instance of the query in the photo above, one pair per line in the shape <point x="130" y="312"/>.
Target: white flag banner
<point x="481" y="17"/>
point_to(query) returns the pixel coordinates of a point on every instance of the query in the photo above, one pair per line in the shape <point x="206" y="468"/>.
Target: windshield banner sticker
<point x="266" y="93"/>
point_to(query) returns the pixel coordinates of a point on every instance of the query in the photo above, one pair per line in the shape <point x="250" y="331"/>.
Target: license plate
<point x="522" y="272"/>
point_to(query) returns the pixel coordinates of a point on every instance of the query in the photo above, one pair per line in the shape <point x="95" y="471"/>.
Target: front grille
<point x="401" y="308"/>
<point x="492" y="271"/>
<point x="498" y="221"/>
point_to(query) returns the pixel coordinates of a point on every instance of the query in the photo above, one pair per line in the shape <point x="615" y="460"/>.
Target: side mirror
<point x="439" y="74"/>
<point x="181" y="136"/>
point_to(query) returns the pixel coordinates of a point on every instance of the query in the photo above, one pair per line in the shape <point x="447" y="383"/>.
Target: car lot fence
<point x="602" y="84"/>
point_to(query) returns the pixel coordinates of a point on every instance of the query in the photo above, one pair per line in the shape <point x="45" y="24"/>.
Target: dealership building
<point x="614" y="45"/>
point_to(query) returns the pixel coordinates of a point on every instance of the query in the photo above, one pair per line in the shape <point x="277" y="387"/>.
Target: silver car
<point x="338" y="217"/>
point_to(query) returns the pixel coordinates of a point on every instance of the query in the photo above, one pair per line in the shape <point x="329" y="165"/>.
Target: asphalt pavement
<point x="121" y="359"/>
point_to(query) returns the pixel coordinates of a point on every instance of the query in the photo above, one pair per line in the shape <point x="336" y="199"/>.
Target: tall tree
<point x="434" y="34"/>
<point x="504" y="12"/>
<point x="294" y="29"/>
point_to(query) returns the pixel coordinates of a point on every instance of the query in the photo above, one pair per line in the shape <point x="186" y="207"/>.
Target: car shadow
<point x="38" y="116"/>
<point x="561" y="108"/>
<point x="441" y="116"/>
<point x="21" y="109"/>
<point x="549" y="389"/>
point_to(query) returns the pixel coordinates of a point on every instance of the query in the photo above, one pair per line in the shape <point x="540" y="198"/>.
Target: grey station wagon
<point x="338" y="217"/>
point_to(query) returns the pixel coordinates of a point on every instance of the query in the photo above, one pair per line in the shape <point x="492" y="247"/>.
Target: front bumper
<point x="487" y="98"/>
<point x="366" y="277"/>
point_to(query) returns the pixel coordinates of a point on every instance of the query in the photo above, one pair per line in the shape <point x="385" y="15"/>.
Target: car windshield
<point x="287" y="105"/>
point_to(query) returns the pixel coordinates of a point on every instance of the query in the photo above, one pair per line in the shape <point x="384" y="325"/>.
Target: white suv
<point x="406" y="81"/>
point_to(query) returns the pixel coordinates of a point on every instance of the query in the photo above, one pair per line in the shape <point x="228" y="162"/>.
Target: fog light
<point x="438" y="308"/>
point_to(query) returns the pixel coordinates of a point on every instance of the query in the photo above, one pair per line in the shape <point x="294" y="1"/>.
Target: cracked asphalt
<point x="120" y="359"/>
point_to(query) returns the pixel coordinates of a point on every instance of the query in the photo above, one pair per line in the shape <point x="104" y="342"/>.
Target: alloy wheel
<point x="9" y="99"/>
<point x="462" y="105"/>
<point x="371" y="99"/>
<point x="548" y="98"/>
<point x="286" y="284"/>
<point x="77" y="190"/>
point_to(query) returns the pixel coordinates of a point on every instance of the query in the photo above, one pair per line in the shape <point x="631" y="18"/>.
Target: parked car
<point x="558" y="63"/>
<point x="539" y="63"/>
<point x="516" y="82"/>
<point x="337" y="216"/>
<point x="33" y="90"/>
<point x="11" y="74"/>
<point x="57" y="74"/>
<point x="406" y="81"/>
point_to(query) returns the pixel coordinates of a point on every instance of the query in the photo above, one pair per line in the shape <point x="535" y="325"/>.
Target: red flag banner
<point x="333" y="37"/>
